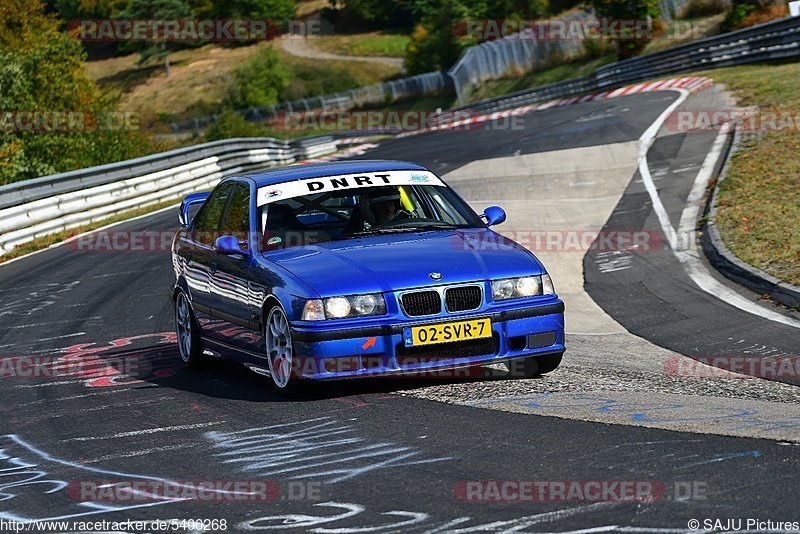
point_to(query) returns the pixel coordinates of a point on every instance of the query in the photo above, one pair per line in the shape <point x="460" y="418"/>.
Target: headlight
<point x="365" y="304"/>
<point x="525" y="286"/>
<point x="337" y="307"/>
<point x="341" y="307"/>
<point x="502" y="289"/>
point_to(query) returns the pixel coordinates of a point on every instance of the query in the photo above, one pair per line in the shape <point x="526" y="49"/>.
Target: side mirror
<point x="229" y="246"/>
<point x="494" y="215"/>
<point x="190" y="200"/>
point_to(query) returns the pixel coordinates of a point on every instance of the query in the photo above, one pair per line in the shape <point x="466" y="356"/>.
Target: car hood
<point x="403" y="261"/>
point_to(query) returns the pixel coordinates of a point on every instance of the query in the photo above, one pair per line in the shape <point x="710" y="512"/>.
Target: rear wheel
<point x="535" y="366"/>
<point x="188" y="333"/>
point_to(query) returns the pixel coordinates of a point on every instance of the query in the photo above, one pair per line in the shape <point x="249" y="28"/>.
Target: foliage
<point x="372" y="14"/>
<point x="744" y="13"/>
<point x="155" y="10"/>
<point x="309" y="79"/>
<point x="626" y="10"/>
<point x="434" y="45"/>
<point x="277" y="11"/>
<point x="71" y="10"/>
<point x="697" y="9"/>
<point x="42" y="69"/>
<point x="259" y="81"/>
<point x="407" y="14"/>
<point x="232" y="124"/>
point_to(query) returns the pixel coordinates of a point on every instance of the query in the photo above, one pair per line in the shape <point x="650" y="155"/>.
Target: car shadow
<point x="160" y="365"/>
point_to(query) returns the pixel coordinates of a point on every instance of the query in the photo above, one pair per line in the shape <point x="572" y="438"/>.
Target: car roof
<point x="318" y="170"/>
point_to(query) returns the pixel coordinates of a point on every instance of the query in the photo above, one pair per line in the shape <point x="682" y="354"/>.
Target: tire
<point x="279" y="347"/>
<point x="535" y="366"/>
<point x="190" y="344"/>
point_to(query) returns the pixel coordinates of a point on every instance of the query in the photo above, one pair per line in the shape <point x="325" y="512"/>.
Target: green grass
<point x="364" y="44"/>
<point x="310" y="77"/>
<point x="759" y="201"/>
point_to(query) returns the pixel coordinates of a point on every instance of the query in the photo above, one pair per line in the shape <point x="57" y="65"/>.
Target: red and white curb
<point x="693" y="84"/>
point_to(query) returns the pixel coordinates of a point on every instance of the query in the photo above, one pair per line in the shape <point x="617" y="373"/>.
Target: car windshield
<point x="362" y="212"/>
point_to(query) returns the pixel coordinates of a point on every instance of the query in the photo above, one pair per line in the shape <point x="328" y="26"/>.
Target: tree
<point x="259" y="81"/>
<point x="377" y="14"/>
<point x="71" y="10"/>
<point x="42" y="70"/>
<point x="156" y="49"/>
<point x="627" y="10"/>
<point x="276" y="11"/>
<point x="434" y="45"/>
<point x="231" y="124"/>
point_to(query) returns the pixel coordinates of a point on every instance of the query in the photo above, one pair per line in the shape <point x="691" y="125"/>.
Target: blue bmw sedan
<point x="357" y="269"/>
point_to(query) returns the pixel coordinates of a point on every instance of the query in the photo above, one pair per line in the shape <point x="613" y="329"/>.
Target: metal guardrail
<point x="51" y="204"/>
<point x="769" y="41"/>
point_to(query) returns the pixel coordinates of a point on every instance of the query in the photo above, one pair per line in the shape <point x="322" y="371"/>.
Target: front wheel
<point x="280" y="351"/>
<point x="535" y="366"/>
<point x="188" y="333"/>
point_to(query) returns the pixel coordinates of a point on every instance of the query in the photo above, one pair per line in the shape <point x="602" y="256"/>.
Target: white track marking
<point x="48" y="384"/>
<point x="145" y="452"/>
<point x="146" y="431"/>
<point x="94" y="508"/>
<point x="688" y="255"/>
<point x="76" y="334"/>
<point x="83" y="319"/>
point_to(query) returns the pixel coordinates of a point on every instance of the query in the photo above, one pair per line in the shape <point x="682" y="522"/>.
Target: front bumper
<point x="377" y="350"/>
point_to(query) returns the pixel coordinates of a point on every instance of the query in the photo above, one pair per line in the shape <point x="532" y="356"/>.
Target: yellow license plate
<point x="447" y="332"/>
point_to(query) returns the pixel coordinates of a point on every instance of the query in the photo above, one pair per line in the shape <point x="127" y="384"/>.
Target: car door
<point x="230" y="276"/>
<point x="200" y="253"/>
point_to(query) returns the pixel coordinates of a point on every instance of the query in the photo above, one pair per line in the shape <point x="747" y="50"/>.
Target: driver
<point x="385" y="203"/>
<point x="376" y="207"/>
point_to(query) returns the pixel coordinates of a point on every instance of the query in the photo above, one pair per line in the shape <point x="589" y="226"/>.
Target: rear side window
<point x="237" y="217"/>
<point x="206" y="229"/>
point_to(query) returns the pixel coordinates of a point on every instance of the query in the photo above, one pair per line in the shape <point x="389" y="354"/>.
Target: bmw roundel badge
<point x="435" y="276"/>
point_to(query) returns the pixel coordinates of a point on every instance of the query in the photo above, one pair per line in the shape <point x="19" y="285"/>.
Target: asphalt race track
<point x="399" y="455"/>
